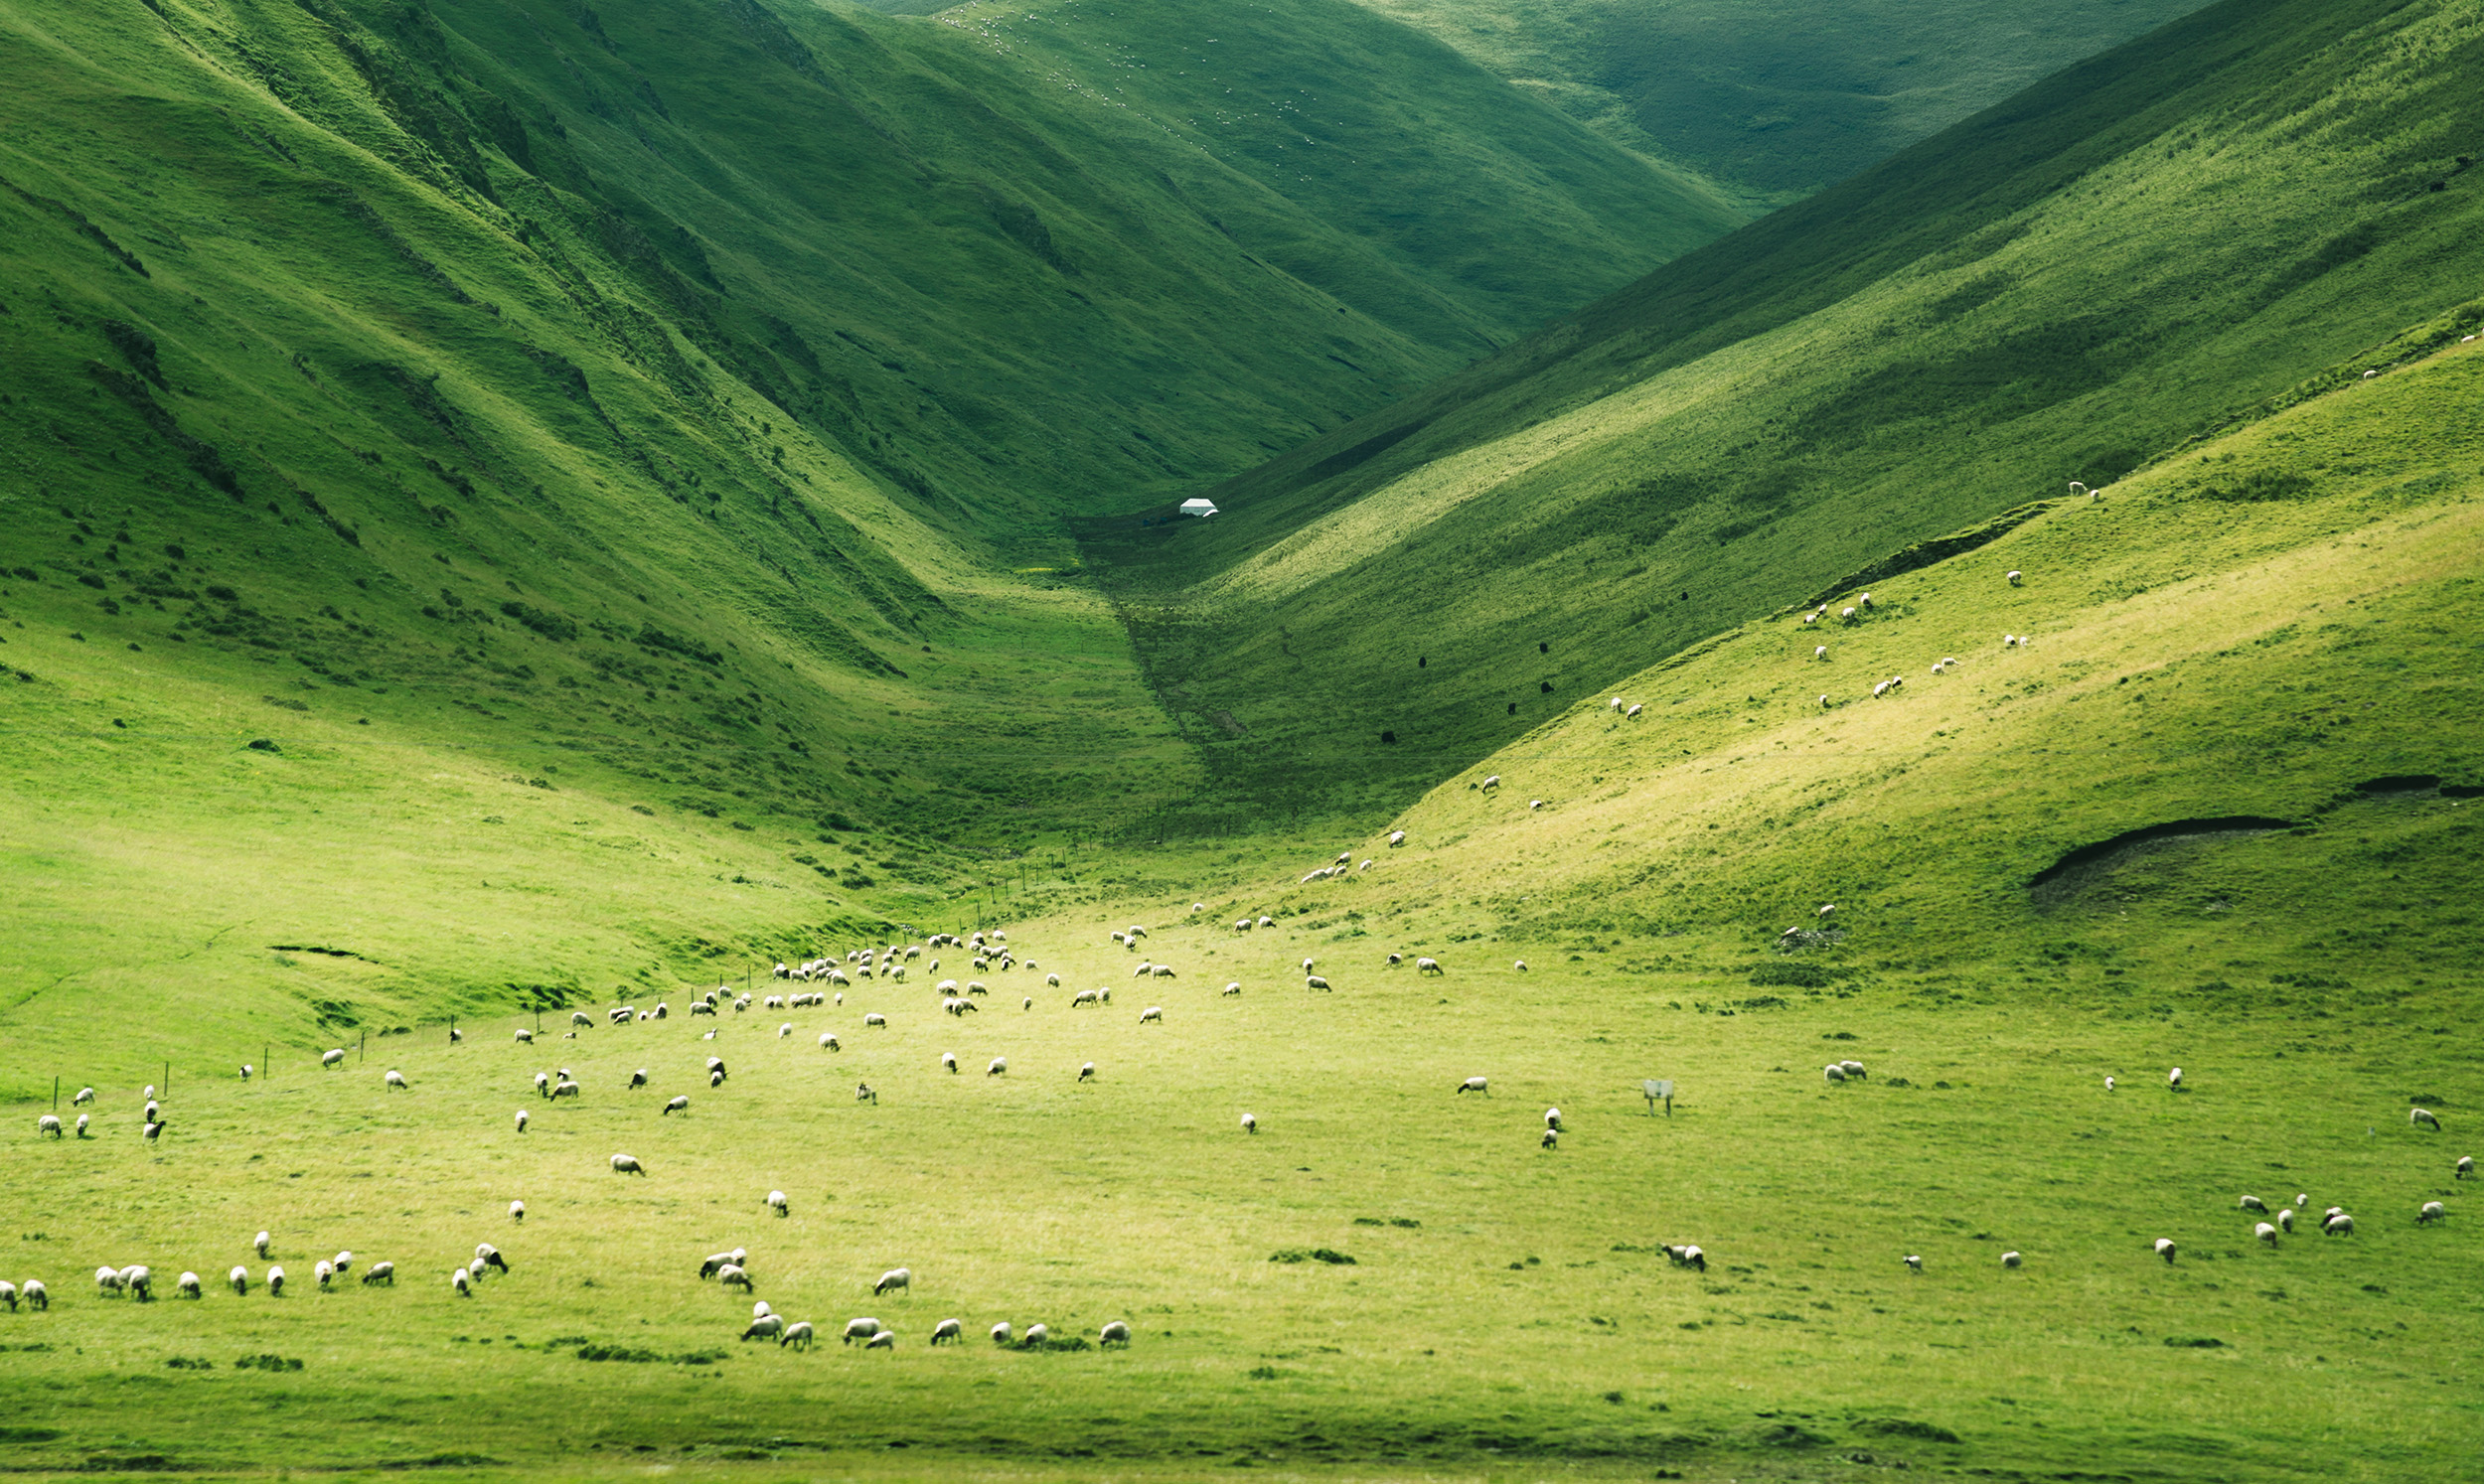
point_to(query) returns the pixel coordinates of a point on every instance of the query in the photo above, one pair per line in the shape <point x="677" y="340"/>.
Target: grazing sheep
<point x="394" y="1080"/>
<point x="1853" y="1069"/>
<point x="2173" y="1080"/>
<point x="949" y="1063"/>
<point x="766" y="1326"/>
<point x="875" y="1018"/>
<point x="84" y="1095"/>
<point x="188" y="1288"/>
<point x="2285" y="1219"/>
<point x="863" y="1094"/>
<point x="1535" y="804"/>
<point x="1914" y="1263"/>
<point x="948" y="1329"/>
<point x="49" y="1124"/>
<point x="2108" y="1084"/>
<point x="522" y="1120"/>
<point x="1519" y="966"/>
<point x="678" y="1105"/>
<point x="2340" y="1225"/>
<point x="1491" y="782"/>
<point x="1052" y="981"/>
<point x="799" y="1335"/>
<point x="1848" y="615"/>
<point x="380" y="1272"/>
<point x="895" y="1277"/>
<point x="861" y="1329"/>
<point x="526" y="1037"/>
<point x="2012" y="1259"/>
<point x="139" y="1280"/>
<point x="2263" y="1232"/>
<point x="626" y="1164"/>
<point x="2165" y="1249"/>
<point x="1250" y="1123"/>
<point x="2302" y="1200"/>
<point x="1000" y="1067"/>
<point x="1086" y="1072"/>
<point x="2466" y="1165"/>
<point x="458" y="1279"/>
<point x="275" y="1282"/>
<point x="1036" y="1335"/>
<point x="731" y="1274"/>
<point x="2422" y="1118"/>
<point x="1001" y="1334"/>
<point x="240" y="1278"/>
<point x="1242" y="925"/>
<point x="1427" y="965"/>
<point x="81" y="1125"/>
<point x="323" y="1270"/>
<point x="1474" y="1085"/>
<point x="1315" y="981"/>
<point x="1692" y="1256"/>
<point x="1833" y="1073"/>
<point x="542" y="1084"/>
<point x="1397" y="837"/>
<point x="717" y="1261"/>
<point x="334" y="1057"/>
<point x="1552" y="1118"/>
<point x="1156" y="1012"/>
<point x="1266" y="921"/>
<point x="829" y="1042"/>
<point x="886" y="1339"/>
<point x="784" y="1030"/>
<point x="1027" y="1003"/>
<point x="488" y="1256"/>
<point x="1633" y="714"/>
<point x="1234" y="988"/>
<point x="517" y="1211"/>
<point x="261" y="1241"/>
<point x="1552" y="1139"/>
<point x="1115" y="1333"/>
<point x="2253" y="1203"/>
<point x="2017" y="577"/>
<point x="2433" y="1211"/>
<point x="153" y="1129"/>
<point x="1824" y="702"/>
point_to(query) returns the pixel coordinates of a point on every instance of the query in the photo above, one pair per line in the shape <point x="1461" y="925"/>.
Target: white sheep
<point x="275" y="1282"/>
<point x="1250" y="1123"/>
<point x="2340" y="1225"/>
<point x="1315" y="981"/>
<point x="1848" y="614"/>
<point x="829" y="1042"/>
<point x="2466" y="1165"/>
<point x="951" y="1330"/>
<point x="83" y="1119"/>
<point x="680" y="1104"/>
<point x="2253" y="1203"/>
<point x="895" y="1277"/>
<point x="1475" y="1084"/>
<point x="1491" y="782"/>
<point x="262" y="1242"/>
<point x="2285" y="1219"/>
<point x="1551" y="1138"/>
<point x="1397" y="837"/>
<point x="732" y="1273"/>
<point x="1519" y="966"/>
<point x="526" y="1037"/>
<point x="1552" y="1118"/>
<point x="799" y="1335"/>
<point x="627" y="1164"/>
<point x="188" y="1288"/>
<point x="544" y="1085"/>
<point x="2263" y="1232"/>
<point x="1914" y="1263"/>
<point x="2433" y="1211"/>
<point x="2165" y="1249"/>
<point x="764" y="1327"/>
<point x="1819" y="651"/>
<point x="1534" y="803"/>
<point x="1853" y="1069"/>
<point x="2173" y="1080"/>
<point x="334" y="1057"/>
<point x="886" y="1339"/>
<point x="1833" y="1073"/>
<point x="522" y="1120"/>
<point x="1427" y="965"/>
<point x="1086" y="1071"/>
<point x="1001" y="1334"/>
<point x="1156" y="1012"/>
<point x="1000" y="1067"/>
<point x="2422" y="1118"/>
<point x="1235" y="988"/>
<point x="1036" y="1335"/>
<point x="517" y="1211"/>
<point x="2017" y="577"/>
<point x="394" y="1080"/>
<point x="2012" y="1259"/>
<point x="875" y="1018"/>
<point x="1052" y="981"/>
<point x="1115" y="1333"/>
<point x="2108" y="1083"/>
<point x="49" y="1124"/>
<point x="240" y="1278"/>
<point x="784" y="1030"/>
<point x="84" y="1095"/>
<point x="380" y="1272"/>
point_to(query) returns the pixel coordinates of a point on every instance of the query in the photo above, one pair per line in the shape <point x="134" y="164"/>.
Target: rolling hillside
<point x="1770" y="99"/>
<point x="2068" y="286"/>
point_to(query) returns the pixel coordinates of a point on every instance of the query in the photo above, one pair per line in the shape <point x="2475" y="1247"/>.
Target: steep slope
<point x="2111" y="262"/>
<point x="1769" y="98"/>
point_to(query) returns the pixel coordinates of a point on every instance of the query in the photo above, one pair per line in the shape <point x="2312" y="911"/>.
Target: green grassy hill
<point x="1770" y="99"/>
<point x="604" y="443"/>
<point x="2063" y="287"/>
<point x="1398" y="1279"/>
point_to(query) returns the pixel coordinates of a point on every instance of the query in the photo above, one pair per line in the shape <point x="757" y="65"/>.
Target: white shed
<point x="1198" y="506"/>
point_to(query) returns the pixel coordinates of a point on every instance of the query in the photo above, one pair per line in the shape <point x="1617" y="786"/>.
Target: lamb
<point x="1156" y="1012"/>
<point x="2433" y="1211"/>
<point x="1474" y="1085"/>
<point x="948" y="1329"/>
<point x="1234" y="988"/>
<point x="861" y="1329"/>
<point x="380" y="1272"/>
<point x="188" y="1288"/>
<point x="1250" y="1123"/>
<point x="334" y="1057"/>
<point x="1315" y="981"/>
<point x="886" y="1339"/>
<point x="1115" y="1333"/>
<point x="626" y="1164"/>
<point x="678" y="1105"/>
<point x="1000" y="1067"/>
<point x="2165" y="1250"/>
<point x="2422" y="1118"/>
<point x="2263" y="1232"/>
<point x="394" y="1080"/>
<point x="2011" y="1260"/>
<point x="1001" y="1334"/>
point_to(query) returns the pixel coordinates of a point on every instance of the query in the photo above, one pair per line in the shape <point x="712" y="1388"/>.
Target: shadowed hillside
<point x="2124" y="256"/>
